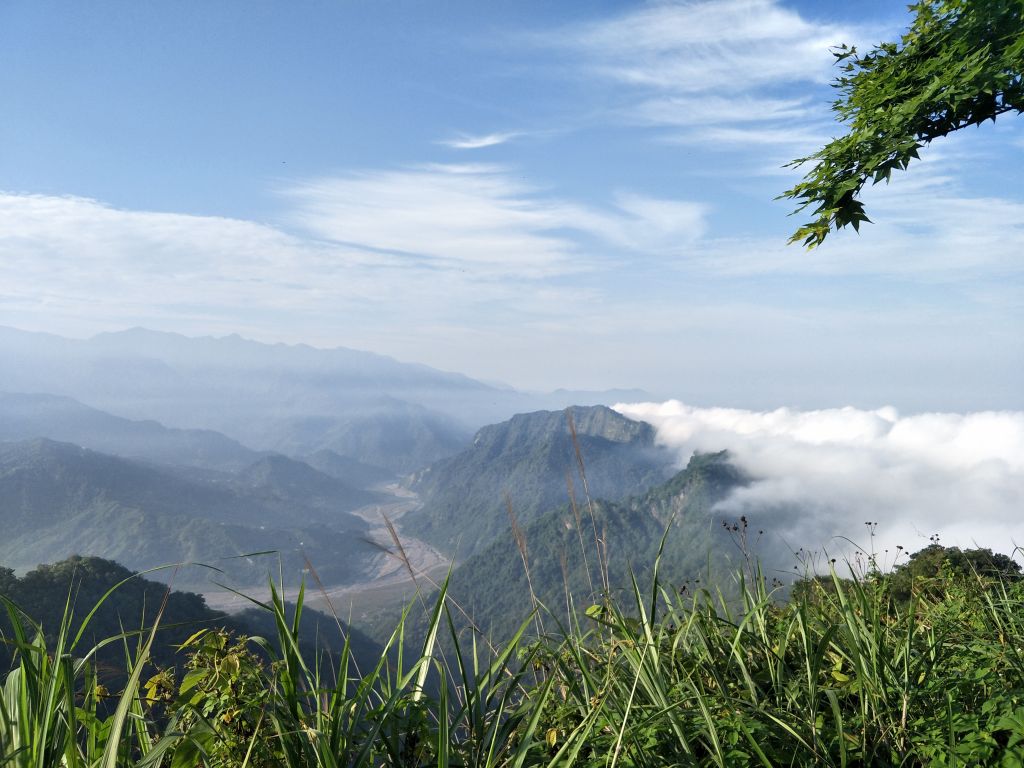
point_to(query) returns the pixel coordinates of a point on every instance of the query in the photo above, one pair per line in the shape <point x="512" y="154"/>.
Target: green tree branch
<point x="959" y="64"/>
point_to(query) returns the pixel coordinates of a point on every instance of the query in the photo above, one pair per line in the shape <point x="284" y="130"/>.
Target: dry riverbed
<point x="389" y="582"/>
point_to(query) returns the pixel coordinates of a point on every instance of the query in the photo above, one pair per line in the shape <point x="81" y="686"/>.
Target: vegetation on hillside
<point x="57" y="499"/>
<point x="575" y="549"/>
<point x="78" y="584"/>
<point x="26" y="416"/>
<point x="525" y="461"/>
<point x="923" y="667"/>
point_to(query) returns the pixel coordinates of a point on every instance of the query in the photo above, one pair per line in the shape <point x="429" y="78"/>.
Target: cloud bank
<point x="820" y="475"/>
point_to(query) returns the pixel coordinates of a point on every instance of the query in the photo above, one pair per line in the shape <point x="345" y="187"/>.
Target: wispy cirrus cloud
<point x="928" y="226"/>
<point x="425" y="247"/>
<point x="722" y="71"/>
<point x="486" y="218"/>
<point x="481" y="141"/>
<point x="698" y="47"/>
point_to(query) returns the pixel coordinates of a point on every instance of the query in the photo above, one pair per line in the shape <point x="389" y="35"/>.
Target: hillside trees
<point x="959" y="64"/>
<point x="936" y="567"/>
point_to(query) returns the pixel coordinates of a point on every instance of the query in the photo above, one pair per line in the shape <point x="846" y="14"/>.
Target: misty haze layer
<point x="820" y="475"/>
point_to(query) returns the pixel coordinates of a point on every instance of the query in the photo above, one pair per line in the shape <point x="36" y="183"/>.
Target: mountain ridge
<point x="25" y="416"/>
<point x="58" y="499"/>
<point x="528" y="462"/>
<point x="492" y="584"/>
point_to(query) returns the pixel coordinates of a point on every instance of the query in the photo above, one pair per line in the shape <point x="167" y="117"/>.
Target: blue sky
<point x="547" y="194"/>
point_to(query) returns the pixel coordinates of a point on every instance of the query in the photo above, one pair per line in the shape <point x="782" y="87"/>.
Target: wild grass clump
<point x="842" y="674"/>
<point x="854" y="669"/>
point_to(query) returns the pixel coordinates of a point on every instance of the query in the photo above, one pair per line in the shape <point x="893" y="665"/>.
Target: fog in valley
<point x="818" y="476"/>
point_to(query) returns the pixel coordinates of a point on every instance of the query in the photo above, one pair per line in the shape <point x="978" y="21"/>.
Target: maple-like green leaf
<point x="959" y="64"/>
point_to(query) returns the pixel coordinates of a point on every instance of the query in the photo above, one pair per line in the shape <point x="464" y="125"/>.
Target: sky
<point x="576" y="195"/>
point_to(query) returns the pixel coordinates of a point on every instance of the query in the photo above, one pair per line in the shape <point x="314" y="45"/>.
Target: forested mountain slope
<point x="525" y="462"/>
<point x="562" y="554"/>
<point x="43" y="593"/>
<point x="58" y="499"/>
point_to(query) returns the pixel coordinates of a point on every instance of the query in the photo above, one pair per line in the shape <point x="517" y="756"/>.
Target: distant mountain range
<point x="528" y="462"/>
<point x="58" y="499"/>
<point x="348" y="470"/>
<point x="292" y="399"/>
<point x="27" y="416"/>
<point x="388" y="433"/>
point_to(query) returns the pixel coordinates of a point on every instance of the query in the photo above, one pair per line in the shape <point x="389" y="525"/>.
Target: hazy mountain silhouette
<point x="292" y="399"/>
<point x="28" y="416"/>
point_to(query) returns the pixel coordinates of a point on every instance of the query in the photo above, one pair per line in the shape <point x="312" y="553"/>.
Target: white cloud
<point x="685" y="112"/>
<point x="431" y="248"/>
<point x="928" y="226"/>
<point x="78" y="256"/>
<point x="463" y="215"/>
<point x="467" y="141"/>
<point x="440" y="262"/>
<point x="485" y="218"/>
<point x="697" y="47"/>
<point x="819" y="475"/>
<point x="705" y="69"/>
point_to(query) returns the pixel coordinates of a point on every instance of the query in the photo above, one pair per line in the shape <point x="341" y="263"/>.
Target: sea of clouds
<point x="818" y="476"/>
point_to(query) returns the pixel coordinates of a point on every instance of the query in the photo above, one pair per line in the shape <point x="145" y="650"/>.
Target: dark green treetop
<point x="933" y="568"/>
<point x="959" y="64"/>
